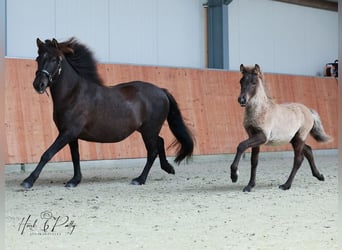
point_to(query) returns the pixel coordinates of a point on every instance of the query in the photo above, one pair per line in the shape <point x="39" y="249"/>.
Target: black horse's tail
<point x="184" y="138"/>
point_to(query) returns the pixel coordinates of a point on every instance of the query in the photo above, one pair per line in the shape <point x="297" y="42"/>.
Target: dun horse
<point x="273" y="124"/>
<point x="84" y="108"/>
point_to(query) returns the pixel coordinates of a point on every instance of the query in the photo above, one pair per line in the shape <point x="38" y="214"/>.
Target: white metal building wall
<point x="152" y="32"/>
<point x="282" y="38"/>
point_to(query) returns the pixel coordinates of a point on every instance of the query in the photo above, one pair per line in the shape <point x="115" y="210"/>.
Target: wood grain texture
<point x="207" y="98"/>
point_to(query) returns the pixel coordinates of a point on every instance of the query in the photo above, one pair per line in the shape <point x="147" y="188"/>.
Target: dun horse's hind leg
<point x="254" y="164"/>
<point x="298" y="147"/>
<point x="308" y="155"/>
<point x="164" y="164"/>
<point x="76" y="179"/>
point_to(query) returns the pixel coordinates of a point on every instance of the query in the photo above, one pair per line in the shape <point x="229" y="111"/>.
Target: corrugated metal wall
<point x="207" y="98"/>
<point x="284" y="38"/>
<point x="150" y="32"/>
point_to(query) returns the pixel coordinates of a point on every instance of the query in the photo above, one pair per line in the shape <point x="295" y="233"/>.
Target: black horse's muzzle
<point x="41" y="82"/>
<point x="44" y="78"/>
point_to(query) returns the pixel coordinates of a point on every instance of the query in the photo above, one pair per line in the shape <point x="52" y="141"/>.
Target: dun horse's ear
<point x="257" y="69"/>
<point x="242" y="68"/>
<point x="39" y="43"/>
<point x="54" y="43"/>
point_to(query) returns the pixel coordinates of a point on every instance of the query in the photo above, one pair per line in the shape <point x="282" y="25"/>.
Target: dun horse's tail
<point x="317" y="130"/>
<point x="184" y="138"/>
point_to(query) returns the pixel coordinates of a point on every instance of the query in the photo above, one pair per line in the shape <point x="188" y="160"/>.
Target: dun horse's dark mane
<point x="251" y="70"/>
<point x="81" y="59"/>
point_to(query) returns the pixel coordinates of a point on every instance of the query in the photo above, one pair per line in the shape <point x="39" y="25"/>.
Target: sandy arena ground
<point x="198" y="208"/>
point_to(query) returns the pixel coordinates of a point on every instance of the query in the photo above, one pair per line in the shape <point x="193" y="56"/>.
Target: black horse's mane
<point x="80" y="58"/>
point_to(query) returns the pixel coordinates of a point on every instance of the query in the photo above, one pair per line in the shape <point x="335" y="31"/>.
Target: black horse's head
<point x="49" y="62"/>
<point x="249" y="82"/>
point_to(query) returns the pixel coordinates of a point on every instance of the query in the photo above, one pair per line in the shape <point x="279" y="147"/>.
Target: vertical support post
<point x="218" y="44"/>
<point x="2" y="120"/>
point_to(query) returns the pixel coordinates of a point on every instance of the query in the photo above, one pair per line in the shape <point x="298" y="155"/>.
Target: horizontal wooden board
<point x="207" y="98"/>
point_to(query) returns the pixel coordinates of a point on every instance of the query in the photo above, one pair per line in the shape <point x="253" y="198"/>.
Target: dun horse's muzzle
<point x="242" y="100"/>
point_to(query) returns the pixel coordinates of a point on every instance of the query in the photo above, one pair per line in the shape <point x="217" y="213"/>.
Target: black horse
<point x="84" y="108"/>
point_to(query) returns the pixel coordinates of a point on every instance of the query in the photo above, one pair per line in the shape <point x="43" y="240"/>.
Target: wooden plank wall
<point x="207" y="98"/>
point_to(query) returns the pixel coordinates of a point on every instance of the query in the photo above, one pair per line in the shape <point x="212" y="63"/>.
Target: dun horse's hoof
<point x="26" y="185"/>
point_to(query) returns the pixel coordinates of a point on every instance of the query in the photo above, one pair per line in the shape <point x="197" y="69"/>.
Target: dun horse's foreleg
<point x="58" y="144"/>
<point x="76" y="179"/>
<point x="164" y="164"/>
<point x="254" y="164"/>
<point x="298" y="146"/>
<point x="254" y="141"/>
<point x="152" y="152"/>
<point x="309" y="156"/>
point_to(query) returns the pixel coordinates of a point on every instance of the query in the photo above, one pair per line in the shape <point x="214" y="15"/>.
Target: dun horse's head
<point x="249" y="82"/>
<point x="49" y="64"/>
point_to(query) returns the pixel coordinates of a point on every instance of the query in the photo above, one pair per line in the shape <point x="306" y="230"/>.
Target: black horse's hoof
<point x="137" y="181"/>
<point x="26" y="185"/>
<point x="70" y="185"/>
<point x="320" y="177"/>
<point x="284" y="187"/>
<point x="234" y="176"/>
<point x="168" y="169"/>
<point x="73" y="183"/>
<point x="247" y="188"/>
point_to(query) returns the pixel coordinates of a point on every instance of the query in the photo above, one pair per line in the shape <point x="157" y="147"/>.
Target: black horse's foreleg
<point x="254" y="141"/>
<point x="298" y="146"/>
<point x="58" y="144"/>
<point x="164" y="164"/>
<point x="76" y="179"/>
<point x="309" y="156"/>
<point x="254" y="164"/>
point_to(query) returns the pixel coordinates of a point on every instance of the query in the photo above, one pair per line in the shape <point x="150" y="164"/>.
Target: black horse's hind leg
<point x="298" y="147"/>
<point x="152" y="152"/>
<point x="308" y="155"/>
<point x="76" y="179"/>
<point x="254" y="141"/>
<point x="58" y="144"/>
<point x="164" y="164"/>
<point x="254" y="164"/>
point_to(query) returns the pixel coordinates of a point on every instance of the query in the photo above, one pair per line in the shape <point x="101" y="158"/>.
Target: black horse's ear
<point x="242" y="68"/>
<point x="39" y="43"/>
<point x="54" y="43"/>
